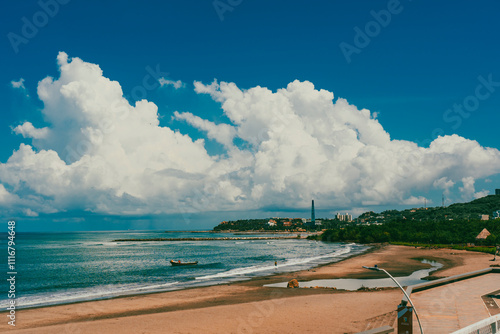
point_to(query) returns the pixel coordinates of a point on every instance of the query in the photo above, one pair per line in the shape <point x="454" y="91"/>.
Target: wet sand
<point x="248" y="307"/>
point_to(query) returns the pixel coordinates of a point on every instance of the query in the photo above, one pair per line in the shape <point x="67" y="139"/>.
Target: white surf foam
<point x="290" y="262"/>
<point x="76" y="295"/>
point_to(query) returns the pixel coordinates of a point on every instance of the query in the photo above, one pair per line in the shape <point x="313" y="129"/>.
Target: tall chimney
<point x="313" y="217"/>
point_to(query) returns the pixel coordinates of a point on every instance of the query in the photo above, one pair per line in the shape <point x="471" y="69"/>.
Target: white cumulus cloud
<point x="468" y="190"/>
<point x="166" y="82"/>
<point x="27" y="130"/>
<point x="101" y="154"/>
<point x="222" y="133"/>
<point x="18" y="84"/>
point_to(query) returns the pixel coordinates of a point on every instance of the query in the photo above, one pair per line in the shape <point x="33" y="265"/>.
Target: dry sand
<point x="248" y="307"/>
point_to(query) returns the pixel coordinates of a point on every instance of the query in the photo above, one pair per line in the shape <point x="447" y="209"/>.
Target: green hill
<point x="461" y="211"/>
<point x="456" y="224"/>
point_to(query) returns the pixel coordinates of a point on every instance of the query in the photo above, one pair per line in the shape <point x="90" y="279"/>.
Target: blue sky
<point x="414" y="63"/>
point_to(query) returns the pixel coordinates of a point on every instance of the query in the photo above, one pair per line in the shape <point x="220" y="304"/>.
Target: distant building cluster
<point x="344" y="218"/>
<point x="286" y="222"/>
<point x="495" y="215"/>
<point x="318" y="222"/>
<point x="272" y="222"/>
<point x="497" y="191"/>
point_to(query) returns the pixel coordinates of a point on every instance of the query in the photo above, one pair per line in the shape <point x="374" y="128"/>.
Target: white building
<point x="344" y="218"/>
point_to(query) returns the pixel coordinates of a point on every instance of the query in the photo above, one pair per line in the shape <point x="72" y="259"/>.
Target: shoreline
<point x="304" y="275"/>
<point x="257" y="279"/>
<point x="239" y="297"/>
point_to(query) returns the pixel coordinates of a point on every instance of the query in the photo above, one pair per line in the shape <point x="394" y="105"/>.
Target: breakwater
<point x="206" y="239"/>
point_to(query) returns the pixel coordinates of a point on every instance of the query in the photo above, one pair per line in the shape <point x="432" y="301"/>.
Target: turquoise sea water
<point x="55" y="268"/>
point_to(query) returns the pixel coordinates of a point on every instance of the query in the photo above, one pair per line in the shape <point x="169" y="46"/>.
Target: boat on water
<point x="179" y="263"/>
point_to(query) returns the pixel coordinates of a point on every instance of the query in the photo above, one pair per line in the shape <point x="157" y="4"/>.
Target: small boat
<point x="179" y="263"/>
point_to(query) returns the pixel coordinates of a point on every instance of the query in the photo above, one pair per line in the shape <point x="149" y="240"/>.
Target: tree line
<point x="410" y="231"/>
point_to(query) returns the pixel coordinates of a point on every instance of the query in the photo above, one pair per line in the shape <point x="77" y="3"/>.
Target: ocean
<point x="65" y="267"/>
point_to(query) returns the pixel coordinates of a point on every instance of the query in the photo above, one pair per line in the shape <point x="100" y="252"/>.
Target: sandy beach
<point x="248" y="307"/>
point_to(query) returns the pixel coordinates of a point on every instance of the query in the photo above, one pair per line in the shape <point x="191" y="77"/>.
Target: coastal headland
<point x="249" y="307"/>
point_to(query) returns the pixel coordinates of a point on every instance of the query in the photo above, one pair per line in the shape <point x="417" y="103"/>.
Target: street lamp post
<point x="376" y="268"/>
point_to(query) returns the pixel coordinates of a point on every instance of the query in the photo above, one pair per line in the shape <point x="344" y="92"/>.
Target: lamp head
<point x="375" y="268"/>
